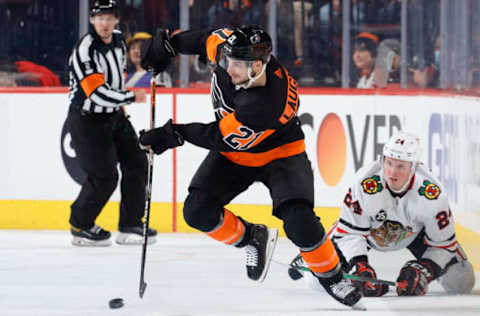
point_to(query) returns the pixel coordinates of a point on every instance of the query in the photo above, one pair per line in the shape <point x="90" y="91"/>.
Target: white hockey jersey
<point x="372" y="217"/>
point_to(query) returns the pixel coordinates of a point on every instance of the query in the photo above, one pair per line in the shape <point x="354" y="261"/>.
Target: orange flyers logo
<point x="430" y="190"/>
<point x="372" y="185"/>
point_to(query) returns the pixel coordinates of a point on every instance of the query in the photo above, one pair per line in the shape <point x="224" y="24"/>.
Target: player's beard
<point x="246" y="80"/>
<point x="241" y="82"/>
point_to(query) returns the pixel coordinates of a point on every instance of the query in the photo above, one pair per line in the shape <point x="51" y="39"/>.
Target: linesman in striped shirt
<point x="101" y="133"/>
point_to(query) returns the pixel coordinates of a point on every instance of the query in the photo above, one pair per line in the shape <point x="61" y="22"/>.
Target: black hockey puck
<point x="294" y="274"/>
<point x="116" y="303"/>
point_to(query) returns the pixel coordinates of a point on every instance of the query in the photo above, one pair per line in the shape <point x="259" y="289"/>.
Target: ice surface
<point x="187" y="275"/>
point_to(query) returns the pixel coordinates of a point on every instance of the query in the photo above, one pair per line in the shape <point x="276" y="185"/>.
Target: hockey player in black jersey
<point x="256" y="137"/>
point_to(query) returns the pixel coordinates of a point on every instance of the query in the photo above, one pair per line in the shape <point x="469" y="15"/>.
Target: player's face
<point x="397" y="172"/>
<point x="362" y="59"/>
<point x="104" y="24"/>
<point x="134" y="52"/>
<point x="237" y="70"/>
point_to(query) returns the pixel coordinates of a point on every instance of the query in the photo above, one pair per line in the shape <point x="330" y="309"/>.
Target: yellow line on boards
<point x="54" y="215"/>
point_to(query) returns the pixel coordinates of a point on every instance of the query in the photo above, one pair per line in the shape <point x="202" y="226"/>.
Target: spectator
<point x="376" y="65"/>
<point x="364" y="53"/>
<point x="427" y="77"/>
<point x="387" y="63"/>
<point x="139" y="77"/>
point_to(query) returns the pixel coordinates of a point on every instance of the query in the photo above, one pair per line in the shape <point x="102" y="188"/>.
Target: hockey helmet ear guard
<point x="157" y="52"/>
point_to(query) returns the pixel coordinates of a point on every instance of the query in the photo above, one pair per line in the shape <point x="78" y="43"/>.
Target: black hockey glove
<point x="161" y="138"/>
<point x="414" y="277"/>
<point x="359" y="266"/>
<point x="157" y="52"/>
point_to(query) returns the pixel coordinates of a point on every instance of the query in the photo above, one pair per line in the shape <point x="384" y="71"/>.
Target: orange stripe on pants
<point x="322" y="259"/>
<point x="231" y="230"/>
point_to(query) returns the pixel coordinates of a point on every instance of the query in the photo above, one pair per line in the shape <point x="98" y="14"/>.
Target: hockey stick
<point x="148" y="191"/>
<point x="345" y="275"/>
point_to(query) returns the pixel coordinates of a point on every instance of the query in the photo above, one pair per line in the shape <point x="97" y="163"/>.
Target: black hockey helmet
<point x="248" y="43"/>
<point x="103" y="6"/>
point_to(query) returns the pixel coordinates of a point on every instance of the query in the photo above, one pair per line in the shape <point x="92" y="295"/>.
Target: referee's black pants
<point x="101" y="141"/>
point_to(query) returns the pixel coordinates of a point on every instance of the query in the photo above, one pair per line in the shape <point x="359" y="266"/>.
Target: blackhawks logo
<point x="430" y="190"/>
<point x="390" y="233"/>
<point x="372" y="185"/>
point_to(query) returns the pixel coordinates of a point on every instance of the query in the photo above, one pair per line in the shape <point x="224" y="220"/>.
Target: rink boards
<point x="344" y="129"/>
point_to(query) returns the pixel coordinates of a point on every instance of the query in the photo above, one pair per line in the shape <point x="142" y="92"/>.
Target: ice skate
<point x="93" y="237"/>
<point x="134" y="236"/>
<point x="259" y="251"/>
<point x="341" y="289"/>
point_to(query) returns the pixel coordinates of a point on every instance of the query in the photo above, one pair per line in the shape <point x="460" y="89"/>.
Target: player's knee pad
<point x="300" y="223"/>
<point x="459" y="278"/>
<point x="200" y="211"/>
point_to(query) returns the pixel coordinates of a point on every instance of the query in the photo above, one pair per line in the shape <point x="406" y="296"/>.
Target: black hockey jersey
<point x="254" y="126"/>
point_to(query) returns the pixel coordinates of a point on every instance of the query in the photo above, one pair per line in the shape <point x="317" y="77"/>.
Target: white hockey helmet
<point x="406" y="147"/>
<point x="403" y="146"/>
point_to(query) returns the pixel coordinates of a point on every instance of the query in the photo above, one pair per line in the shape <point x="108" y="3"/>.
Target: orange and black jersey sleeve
<point x="201" y="42"/>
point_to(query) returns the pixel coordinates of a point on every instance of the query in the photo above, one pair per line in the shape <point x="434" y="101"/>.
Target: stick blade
<point x="143" y="287"/>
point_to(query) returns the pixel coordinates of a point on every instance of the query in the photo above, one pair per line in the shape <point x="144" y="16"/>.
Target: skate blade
<point x="272" y="242"/>
<point x="84" y="242"/>
<point x="128" y="239"/>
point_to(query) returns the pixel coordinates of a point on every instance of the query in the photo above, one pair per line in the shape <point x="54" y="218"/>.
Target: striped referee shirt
<point x="96" y="73"/>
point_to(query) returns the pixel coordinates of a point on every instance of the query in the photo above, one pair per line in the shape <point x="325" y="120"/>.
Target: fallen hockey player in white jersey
<point x="396" y="203"/>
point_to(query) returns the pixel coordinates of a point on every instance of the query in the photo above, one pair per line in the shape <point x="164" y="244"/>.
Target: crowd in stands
<point x="309" y="39"/>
